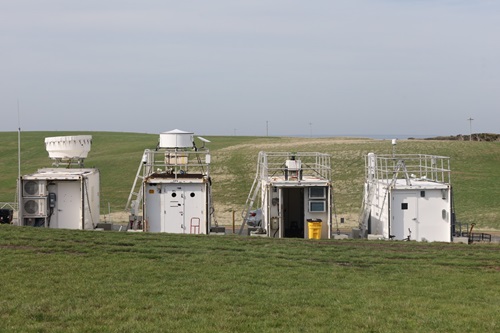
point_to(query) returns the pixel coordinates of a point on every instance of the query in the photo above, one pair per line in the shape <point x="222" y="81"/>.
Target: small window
<point x="317" y="206"/>
<point x="422" y="194"/>
<point x="174" y="195"/>
<point x="317" y="192"/>
<point x="404" y="206"/>
<point x="192" y="195"/>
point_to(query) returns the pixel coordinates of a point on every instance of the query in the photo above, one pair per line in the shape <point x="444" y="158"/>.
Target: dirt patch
<point x="116" y="217"/>
<point x="223" y="214"/>
<point x="289" y="143"/>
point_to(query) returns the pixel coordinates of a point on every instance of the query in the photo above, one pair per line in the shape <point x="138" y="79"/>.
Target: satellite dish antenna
<point x="203" y="140"/>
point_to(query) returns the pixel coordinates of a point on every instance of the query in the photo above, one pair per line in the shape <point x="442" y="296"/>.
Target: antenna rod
<point x="18" y="142"/>
<point x="18" y="187"/>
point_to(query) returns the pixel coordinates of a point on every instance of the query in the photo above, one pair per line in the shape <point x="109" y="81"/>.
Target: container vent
<point x="34" y="207"/>
<point x="34" y="188"/>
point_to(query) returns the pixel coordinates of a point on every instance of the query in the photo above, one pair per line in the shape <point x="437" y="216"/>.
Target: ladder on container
<point x="366" y="208"/>
<point x="194" y="225"/>
<point x="136" y="194"/>
<point x="252" y="195"/>
<point x="399" y="166"/>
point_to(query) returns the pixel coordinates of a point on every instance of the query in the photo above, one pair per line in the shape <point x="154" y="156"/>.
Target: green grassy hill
<point x="56" y="280"/>
<point x="475" y="171"/>
<point x="86" y="281"/>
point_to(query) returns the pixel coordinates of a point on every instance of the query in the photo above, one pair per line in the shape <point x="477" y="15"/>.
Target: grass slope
<point x="475" y="172"/>
<point x="85" y="281"/>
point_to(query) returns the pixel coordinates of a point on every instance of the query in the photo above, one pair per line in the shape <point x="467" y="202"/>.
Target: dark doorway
<point x="293" y="212"/>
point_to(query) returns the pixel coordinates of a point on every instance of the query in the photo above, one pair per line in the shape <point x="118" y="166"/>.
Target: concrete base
<point x="252" y="229"/>
<point x="217" y="230"/>
<point x="355" y="234"/>
<point x="463" y="240"/>
<point x="341" y="236"/>
<point x="104" y="226"/>
<point x="118" y="227"/>
<point x="375" y="237"/>
<point x="257" y="234"/>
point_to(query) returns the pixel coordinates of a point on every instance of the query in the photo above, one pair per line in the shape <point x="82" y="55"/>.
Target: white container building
<point x="63" y="198"/>
<point x="290" y="190"/>
<point x="173" y="187"/>
<point x="407" y="197"/>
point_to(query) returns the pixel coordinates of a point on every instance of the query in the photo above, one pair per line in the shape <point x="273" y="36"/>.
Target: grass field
<point x="475" y="171"/>
<point x="86" y="281"/>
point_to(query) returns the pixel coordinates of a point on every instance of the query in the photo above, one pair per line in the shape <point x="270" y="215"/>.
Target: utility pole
<point x="310" y="130"/>
<point x="470" y="128"/>
<point x="267" y="128"/>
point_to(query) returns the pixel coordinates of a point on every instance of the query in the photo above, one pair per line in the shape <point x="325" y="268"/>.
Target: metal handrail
<point x="418" y="166"/>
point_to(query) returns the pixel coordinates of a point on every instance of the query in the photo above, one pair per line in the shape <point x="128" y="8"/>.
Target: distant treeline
<point x="463" y="137"/>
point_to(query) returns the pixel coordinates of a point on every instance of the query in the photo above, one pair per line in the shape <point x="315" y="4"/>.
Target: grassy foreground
<point x="475" y="171"/>
<point x="85" y="281"/>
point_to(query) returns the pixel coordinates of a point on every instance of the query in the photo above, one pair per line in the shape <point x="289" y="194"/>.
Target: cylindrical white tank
<point x="68" y="147"/>
<point x="176" y="139"/>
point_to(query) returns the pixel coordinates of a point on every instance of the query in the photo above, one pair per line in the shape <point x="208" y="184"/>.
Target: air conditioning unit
<point x="34" y="188"/>
<point x="33" y="207"/>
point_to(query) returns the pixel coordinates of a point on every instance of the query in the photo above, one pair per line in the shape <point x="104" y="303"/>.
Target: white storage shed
<point x="64" y="198"/>
<point x="60" y="198"/>
<point x="407" y="197"/>
<point x="173" y="187"/>
<point x="291" y="190"/>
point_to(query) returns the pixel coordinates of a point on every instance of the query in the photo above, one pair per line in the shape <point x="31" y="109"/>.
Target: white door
<point x="194" y="208"/>
<point x="404" y="215"/>
<point x="68" y="208"/>
<point x="434" y="216"/>
<point x="173" y="214"/>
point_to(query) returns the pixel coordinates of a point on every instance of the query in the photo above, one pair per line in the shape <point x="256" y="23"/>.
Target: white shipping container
<point x="69" y="199"/>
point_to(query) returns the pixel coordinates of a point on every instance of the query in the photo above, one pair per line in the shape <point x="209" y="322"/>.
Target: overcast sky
<point x="226" y="67"/>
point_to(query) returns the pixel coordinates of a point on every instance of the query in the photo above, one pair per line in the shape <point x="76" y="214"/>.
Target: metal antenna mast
<point x="18" y="189"/>
<point x="18" y="141"/>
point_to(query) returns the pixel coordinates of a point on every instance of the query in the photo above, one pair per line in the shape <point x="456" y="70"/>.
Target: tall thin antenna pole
<point x="18" y="186"/>
<point x="470" y="128"/>
<point x="18" y="142"/>
<point x="267" y="128"/>
<point x="310" y="130"/>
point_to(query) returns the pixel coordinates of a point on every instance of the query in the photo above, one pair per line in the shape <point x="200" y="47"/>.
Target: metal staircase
<point x="252" y="196"/>
<point x="399" y="166"/>
<point x="372" y="188"/>
<point x="136" y="194"/>
<point x="366" y="209"/>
